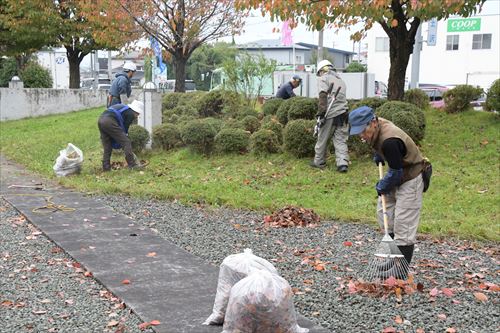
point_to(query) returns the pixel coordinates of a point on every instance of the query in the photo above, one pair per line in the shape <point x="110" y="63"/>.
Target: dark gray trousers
<point x="110" y="129"/>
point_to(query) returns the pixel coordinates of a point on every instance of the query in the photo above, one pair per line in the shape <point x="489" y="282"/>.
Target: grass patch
<point x="462" y="200"/>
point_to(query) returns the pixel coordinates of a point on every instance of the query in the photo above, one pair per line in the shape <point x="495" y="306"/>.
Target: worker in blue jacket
<point x="121" y="88"/>
<point x="286" y="89"/>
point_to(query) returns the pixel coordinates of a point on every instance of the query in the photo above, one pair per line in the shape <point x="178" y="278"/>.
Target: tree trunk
<point x="75" y="57"/>
<point x="180" y="72"/>
<point x="400" y="51"/>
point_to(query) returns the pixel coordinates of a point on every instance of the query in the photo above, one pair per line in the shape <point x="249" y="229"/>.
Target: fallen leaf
<point x="419" y="330"/>
<point x="389" y="330"/>
<point x="447" y="291"/>
<point x="347" y="243"/>
<point x="398" y="320"/>
<point x="451" y="330"/>
<point x="112" y="323"/>
<point x="442" y="316"/>
<point x="126" y="281"/>
<point x="155" y="322"/>
<point x="481" y="297"/>
<point x="87" y="274"/>
<point x="39" y="312"/>
<point x="143" y="326"/>
<point x="151" y="254"/>
<point x="434" y="292"/>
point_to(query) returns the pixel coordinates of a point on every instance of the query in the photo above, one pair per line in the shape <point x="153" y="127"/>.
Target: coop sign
<point x="460" y="25"/>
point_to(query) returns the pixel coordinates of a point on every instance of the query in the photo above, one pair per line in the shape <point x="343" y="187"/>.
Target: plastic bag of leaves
<point x="261" y="303"/>
<point x="69" y="162"/>
<point x="234" y="268"/>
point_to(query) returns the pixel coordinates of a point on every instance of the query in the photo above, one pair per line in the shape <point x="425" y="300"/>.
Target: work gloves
<point x="391" y="179"/>
<point x="378" y="159"/>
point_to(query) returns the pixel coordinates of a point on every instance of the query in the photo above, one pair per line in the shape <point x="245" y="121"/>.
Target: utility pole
<point x="110" y="70"/>
<point x="415" y="59"/>
<point x="320" y="45"/>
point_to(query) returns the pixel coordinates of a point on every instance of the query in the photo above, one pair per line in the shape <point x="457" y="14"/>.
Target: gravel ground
<point x="457" y="280"/>
<point x="42" y="289"/>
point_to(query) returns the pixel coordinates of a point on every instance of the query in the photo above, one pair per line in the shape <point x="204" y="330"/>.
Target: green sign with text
<point x="459" y="25"/>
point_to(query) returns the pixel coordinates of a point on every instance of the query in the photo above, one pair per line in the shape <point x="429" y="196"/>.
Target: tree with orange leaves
<point x="400" y="20"/>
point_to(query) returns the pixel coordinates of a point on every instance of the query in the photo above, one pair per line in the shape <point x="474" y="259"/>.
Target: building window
<point x="298" y="59"/>
<point x="452" y="42"/>
<point x="382" y="44"/>
<point x="481" y="41"/>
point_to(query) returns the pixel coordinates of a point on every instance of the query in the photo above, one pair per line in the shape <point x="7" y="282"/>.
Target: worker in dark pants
<point x="286" y="89"/>
<point x="113" y="125"/>
<point x="121" y="88"/>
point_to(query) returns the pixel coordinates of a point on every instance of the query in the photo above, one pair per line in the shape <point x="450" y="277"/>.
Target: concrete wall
<point x="23" y="103"/>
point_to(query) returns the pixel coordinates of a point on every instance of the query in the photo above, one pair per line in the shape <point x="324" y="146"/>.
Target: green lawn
<point x="463" y="199"/>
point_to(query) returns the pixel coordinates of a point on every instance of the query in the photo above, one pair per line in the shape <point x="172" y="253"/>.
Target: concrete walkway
<point x="173" y="286"/>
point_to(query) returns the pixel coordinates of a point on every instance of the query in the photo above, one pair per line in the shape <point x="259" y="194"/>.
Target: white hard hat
<point x="137" y="106"/>
<point x="129" y="66"/>
<point x="322" y="64"/>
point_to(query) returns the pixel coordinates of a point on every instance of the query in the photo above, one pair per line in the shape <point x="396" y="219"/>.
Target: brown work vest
<point x="413" y="161"/>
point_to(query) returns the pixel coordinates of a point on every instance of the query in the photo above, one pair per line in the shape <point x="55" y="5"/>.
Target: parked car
<point x="102" y="83"/>
<point x="435" y="94"/>
<point x="380" y="89"/>
<point x="169" y="86"/>
<point x="478" y="104"/>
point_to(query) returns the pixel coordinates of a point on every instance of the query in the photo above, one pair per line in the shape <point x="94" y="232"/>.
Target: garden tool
<point x="389" y="261"/>
<point x="320" y="121"/>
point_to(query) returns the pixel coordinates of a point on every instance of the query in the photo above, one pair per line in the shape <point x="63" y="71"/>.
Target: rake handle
<point x="384" y="209"/>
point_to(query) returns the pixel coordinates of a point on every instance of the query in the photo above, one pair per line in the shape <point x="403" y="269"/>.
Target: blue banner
<point x="157" y="51"/>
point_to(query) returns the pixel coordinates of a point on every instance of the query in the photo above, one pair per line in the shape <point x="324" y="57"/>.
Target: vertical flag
<point x="157" y="51"/>
<point x="286" y="34"/>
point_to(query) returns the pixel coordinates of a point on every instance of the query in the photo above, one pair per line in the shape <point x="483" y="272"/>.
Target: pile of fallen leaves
<point x="291" y="216"/>
<point x="117" y="165"/>
<point x="386" y="288"/>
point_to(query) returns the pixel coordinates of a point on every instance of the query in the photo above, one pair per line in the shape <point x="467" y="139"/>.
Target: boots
<point x="106" y="166"/>
<point x="398" y="270"/>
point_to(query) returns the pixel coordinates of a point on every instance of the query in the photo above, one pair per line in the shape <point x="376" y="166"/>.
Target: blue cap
<point x="360" y="118"/>
<point x="296" y="78"/>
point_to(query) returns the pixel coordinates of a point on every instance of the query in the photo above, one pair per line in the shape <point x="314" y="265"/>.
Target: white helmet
<point x="137" y="106"/>
<point x="129" y="66"/>
<point x="322" y="64"/>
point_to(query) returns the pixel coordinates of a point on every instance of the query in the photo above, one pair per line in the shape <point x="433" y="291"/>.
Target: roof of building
<point x="330" y="49"/>
<point x="276" y="44"/>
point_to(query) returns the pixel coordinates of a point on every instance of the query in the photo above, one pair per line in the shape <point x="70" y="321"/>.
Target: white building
<point x="466" y="51"/>
<point x="56" y="61"/>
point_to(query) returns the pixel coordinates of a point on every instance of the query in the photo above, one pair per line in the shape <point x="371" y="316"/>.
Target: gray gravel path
<point x="455" y="275"/>
<point x="43" y="290"/>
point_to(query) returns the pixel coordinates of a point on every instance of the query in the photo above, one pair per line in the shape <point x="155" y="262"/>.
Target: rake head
<point x="388" y="261"/>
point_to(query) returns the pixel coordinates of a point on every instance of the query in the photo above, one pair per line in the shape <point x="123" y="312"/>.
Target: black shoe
<point x="314" y="165"/>
<point x="342" y="168"/>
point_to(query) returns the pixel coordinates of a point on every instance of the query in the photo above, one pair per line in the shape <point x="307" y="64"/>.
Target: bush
<point x="271" y="106"/>
<point x="373" y="102"/>
<point x="264" y="141"/>
<point x="8" y="69"/>
<point x="274" y="125"/>
<point x="357" y="147"/>
<point x="139" y="136"/>
<point x="417" y="97"/>
<point x="217" y="102"/>
<point x="170" y="100"/>
<point x="298" y="137"/>
<point x="250" y="123"/>
<point x="36" y="76"/>
<point x="406" y="116"/>
<point x="493" y="97"/>
<point x="173" y="99"/>
<point x="232" y="123"/>
<point x="216" y="123"/>
<point x="232" y="141"/>
<point x="458" y="99"/>
<point x="199" y="135"/>
<point x="166" y="136"/>
<point x="245" y="111"/>
<point x="355" y="67"/>
<point x="303" y="108"/>
<point x="179" y="110"/>
<point x="282" y="113"/>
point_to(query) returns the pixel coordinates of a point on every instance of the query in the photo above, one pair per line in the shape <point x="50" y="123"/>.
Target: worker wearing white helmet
<point x="121" y="89"/>
<point x="332" y="117"/>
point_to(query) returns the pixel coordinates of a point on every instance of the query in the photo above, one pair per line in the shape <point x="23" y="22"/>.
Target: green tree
<point x="8" y="69"/>
<point x="400" y="20"/>
<point x="36" y="76"/>
<point x="247" y="73"/>
<point x="355" y="67"/>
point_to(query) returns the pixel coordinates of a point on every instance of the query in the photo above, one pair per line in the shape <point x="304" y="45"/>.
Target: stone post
<point x="16" y="83"/>
<point x="152" y="116"/>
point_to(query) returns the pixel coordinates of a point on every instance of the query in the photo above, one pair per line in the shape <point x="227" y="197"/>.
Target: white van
<point x="169" y="86"/>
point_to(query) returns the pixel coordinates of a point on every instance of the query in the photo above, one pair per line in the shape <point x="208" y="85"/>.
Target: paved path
<point x="173" y="286"/>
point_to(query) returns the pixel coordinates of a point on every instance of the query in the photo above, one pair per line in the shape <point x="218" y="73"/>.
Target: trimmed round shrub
<point x="303" y="108"/>
<point x="179" y="110"/>
<point x="264" y="141"/>
<point x="417" y="97"/>
<point x="231" y="140"/>
<point x="271" y="106"/>
<point x="199" y="135"/>
<point x="217" y="102"/>
<point x="35" y="75"/>
<point x="359" y="148"/>
<point x="282" y="113"/>
<point x="298" y="137"/>
<point x="458" y="99"/>
<point x="245" y="111"/>
<point x="232" y="123"/>
<point x="166" y="137"/>
<point x="493" y="97"/>
<point x="139" y="136"/>
<point x="250" y="123"/>
<point x="216" y="123"/>
<point x="406" y="116"/>
<point x="274" y="125"/>
<point x="170" y="100"/>
<point x="373" y="102"/>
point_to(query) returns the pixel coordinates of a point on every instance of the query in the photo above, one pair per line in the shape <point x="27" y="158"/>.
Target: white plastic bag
<point x="69" y="161"/>
<point x="234" y="268"/>
<point x="261" y="303"/>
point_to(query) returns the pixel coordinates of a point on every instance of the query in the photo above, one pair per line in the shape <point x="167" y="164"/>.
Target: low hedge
<point x="298" y="137"/>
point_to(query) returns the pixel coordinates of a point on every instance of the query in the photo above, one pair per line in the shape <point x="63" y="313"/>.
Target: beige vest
<point x="413" y="161"/>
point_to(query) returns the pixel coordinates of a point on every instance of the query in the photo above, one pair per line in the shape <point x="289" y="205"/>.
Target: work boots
<point x="106" y="166"/>
<point x="396" y="267"/>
